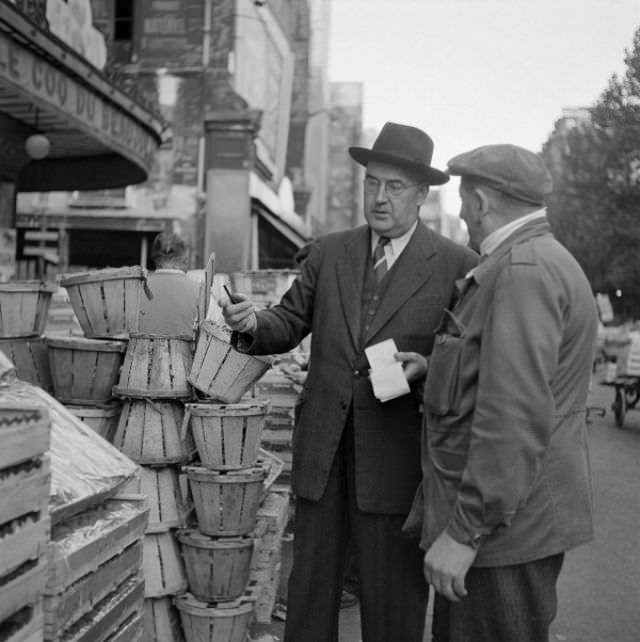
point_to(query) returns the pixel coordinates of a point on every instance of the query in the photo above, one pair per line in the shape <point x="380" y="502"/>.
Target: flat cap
<point x="510" y="169"/>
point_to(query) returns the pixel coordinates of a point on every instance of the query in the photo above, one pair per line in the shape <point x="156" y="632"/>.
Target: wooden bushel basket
<point x="103" y="420"/>
<point x="168" y="508"/>
<point x="107" y="302"/>
<point x="162" y="565"/>
<point x="203" y="622"/>
<point x="149" y="432"/>
<point x="156" y="366"/>
<point x="23" y="308"/>
<point x="227" y="436"/>
<point x="221" y="372"/>
<point x="217" y="568"/>
<point x="31" y="359"/>
<point x="161" y="621"/>
<point x="84" y="371"/>
<point x="226" y="502"/>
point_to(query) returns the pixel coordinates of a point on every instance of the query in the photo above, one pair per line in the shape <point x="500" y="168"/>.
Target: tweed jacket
<point x="326" y="299"/>
<point x="504" y="445"/>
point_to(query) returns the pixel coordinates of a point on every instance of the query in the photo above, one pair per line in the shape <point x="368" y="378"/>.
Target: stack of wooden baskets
<point x="227" y="488"/>
<point x="85" y="369"/>
<point x="23" y="316"/>
<point x="153" y="386"/>
<point x="24" y="521"/>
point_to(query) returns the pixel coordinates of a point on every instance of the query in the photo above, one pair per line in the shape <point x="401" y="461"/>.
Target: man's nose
<point x="381" y="193"/>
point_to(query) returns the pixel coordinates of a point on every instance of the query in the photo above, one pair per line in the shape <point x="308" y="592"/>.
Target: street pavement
<point x="599" y="588"/>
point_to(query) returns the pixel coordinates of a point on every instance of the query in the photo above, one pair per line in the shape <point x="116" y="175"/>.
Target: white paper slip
<point x="386" y="374"/>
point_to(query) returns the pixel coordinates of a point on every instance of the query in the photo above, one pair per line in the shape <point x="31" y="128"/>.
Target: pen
<point x="232" y="297"/>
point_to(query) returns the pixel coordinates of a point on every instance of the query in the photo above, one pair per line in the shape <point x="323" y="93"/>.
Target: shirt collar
<point x="397" y="244"/>
<point x="494" y="239"/>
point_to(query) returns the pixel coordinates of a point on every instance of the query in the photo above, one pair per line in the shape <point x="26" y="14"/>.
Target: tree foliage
<point x="595" y="208"/>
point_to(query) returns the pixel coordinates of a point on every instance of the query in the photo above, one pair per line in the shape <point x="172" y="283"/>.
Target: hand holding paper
<point x="386" y="374"/>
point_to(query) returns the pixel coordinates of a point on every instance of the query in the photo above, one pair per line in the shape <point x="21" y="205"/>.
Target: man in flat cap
<point x="356" y="460"/>
<point x="505" y="463"/>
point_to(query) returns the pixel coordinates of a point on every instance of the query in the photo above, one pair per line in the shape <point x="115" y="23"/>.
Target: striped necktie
<point x="380" y="259"/>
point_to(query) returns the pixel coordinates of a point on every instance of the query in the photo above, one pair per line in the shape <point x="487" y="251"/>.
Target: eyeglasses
<point x="392" y="188"/>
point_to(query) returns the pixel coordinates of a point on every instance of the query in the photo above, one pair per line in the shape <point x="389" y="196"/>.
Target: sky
<point x="475" y="72"/>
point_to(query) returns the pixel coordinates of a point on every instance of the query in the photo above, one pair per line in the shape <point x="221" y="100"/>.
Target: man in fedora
<point x="506" y="471"/>
<point x="356" y="462"/>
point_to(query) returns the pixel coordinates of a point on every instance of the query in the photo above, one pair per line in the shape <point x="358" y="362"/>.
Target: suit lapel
<point x="410" y="272"/>
<point x="350" y="271"/>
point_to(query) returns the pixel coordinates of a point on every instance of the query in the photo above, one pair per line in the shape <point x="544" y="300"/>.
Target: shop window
<point x="123" y="21"/>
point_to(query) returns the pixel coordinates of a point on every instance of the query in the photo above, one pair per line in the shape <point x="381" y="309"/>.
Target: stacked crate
<point x="283" y="393"/>
<point x="83" y="373"/>
<point x="23" y="315"/>
<point x="227" y="487"/>
<point x="267" y="558"/>
<point x="153" y="385"/>
<point x="95" y="588"/>
<point x="24" y="521"/>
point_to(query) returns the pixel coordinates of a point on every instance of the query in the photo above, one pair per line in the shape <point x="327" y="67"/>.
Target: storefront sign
<point x="170" y="33"/>
<point x="81" y="105"/>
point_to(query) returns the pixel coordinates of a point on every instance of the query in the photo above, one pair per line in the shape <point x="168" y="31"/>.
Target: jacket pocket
<point x="441" y="391"/>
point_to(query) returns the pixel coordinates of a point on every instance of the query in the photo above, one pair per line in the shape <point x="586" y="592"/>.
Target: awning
<point x="288" y="232"/>
<point x="100" y="137"/>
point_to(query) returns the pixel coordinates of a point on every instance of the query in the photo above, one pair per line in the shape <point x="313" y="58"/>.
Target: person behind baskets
<point x="174" y="308"/>
<point x="506" y="473"/>
<point x="356" y="461"/>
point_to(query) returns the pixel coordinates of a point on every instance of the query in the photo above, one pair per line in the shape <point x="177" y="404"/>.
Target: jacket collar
<point x="537" y="227"/>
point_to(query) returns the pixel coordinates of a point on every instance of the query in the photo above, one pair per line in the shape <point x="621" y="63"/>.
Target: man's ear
<point x="482" y="200"/>
<point x="423" y="192"/>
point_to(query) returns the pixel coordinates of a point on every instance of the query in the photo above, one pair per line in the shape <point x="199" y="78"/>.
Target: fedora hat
<point x="402" y="146"/>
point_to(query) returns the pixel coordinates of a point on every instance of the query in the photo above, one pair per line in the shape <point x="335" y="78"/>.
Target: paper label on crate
<point x="386" y="374"/>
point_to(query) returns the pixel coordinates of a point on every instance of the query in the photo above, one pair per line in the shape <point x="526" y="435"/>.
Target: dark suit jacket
<point x="327" y="300"/>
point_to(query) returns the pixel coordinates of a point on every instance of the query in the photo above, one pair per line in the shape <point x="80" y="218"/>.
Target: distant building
<point x="242" y="170"/>
<point x="344" y="199"/>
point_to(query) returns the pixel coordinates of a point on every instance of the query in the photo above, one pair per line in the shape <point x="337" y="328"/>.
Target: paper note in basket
<point x="386" y="374"/>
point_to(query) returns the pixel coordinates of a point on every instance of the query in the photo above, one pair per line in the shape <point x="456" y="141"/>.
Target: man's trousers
<point x="393" y="591"/>
<point x="504" y="604"/>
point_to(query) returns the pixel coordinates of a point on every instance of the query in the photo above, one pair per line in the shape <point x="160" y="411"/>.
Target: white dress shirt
<point x="395" y="247"/>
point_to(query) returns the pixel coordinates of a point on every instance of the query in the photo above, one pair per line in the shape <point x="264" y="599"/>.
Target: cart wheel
<point x="619" y="407"/>
<point x="632" y="395"/>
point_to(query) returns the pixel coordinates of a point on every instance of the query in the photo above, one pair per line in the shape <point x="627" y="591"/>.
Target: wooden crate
<point x="22" y="587"/>
<point x="107" y="302"/>
<point x="23" y="307"/>
<point x="24" y="432"/>
<point x="61" y="610"/>
<point x="161" y="621"/>
<point x="123" y="605"/>
<point x="217" y="567"/>
<point x="131" y="630"/>
<point x="25" y="625"/>
<point x="219" y="371"/>
<point x="222" y="622"/>
<point x="86" y="541"/>
<point x="31" y="358"/>
<point x="24" y="489"/>
<point x="149" y="432"/>
<point x="103" y="420"/>
<point x="84" y="371"/>
<point x="23" y="539"/>
<point x="226" y="502"/>
<point x="156" y="366"/>
<point x="227" y="436"/>
<point x="163" y="567"/>
<point x="169" y="505"/>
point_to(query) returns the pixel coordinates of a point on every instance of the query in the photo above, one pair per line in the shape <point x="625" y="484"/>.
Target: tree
<point x="595" y="208"/>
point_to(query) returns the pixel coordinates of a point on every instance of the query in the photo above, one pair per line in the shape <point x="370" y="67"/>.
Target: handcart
<point x="627" y="394"/>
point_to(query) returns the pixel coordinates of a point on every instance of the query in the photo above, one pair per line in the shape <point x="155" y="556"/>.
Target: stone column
<point x="229" y="160"/>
